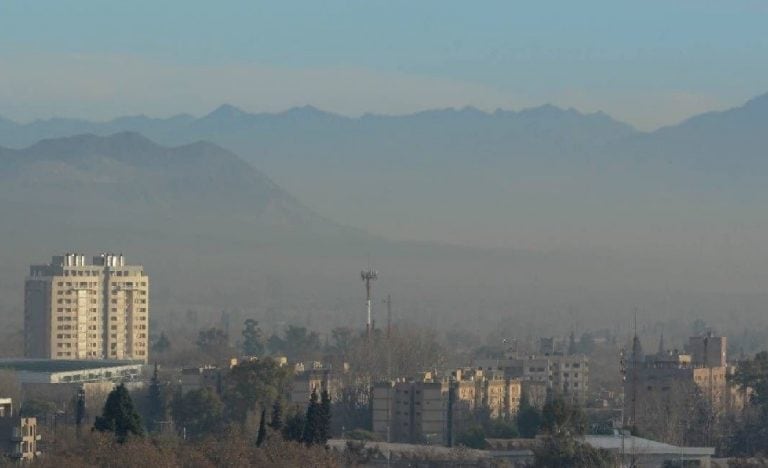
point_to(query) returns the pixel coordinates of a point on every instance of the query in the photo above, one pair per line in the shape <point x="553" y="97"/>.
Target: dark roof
<point x="60" y="365"/>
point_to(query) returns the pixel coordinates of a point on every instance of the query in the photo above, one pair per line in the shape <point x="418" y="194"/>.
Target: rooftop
<point x="60" y="365"/>
<point x="642" y="446"/>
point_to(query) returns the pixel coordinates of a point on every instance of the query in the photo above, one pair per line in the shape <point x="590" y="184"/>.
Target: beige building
<point x="79" y="310"/>
<point x="563" y="374"/>
<point x="674" y="378"/>
<point x="18" y="436"/>
<point x="417" y="411"/>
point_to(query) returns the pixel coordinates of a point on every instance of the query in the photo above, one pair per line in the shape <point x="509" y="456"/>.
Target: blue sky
<point x="648" y="62"/>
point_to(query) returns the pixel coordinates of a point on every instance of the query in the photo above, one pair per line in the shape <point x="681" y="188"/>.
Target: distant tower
<point x="388" y="302"/>
<point x="368" y="276"/>
<point x="662" y="351"/>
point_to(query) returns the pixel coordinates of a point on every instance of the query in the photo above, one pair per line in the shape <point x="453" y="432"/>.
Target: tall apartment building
<point x="79" y="310"/>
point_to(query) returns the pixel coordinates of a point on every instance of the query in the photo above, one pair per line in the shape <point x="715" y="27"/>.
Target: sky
<point x="649" y="63"/>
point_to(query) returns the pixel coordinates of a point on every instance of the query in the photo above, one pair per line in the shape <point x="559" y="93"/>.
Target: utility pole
<point x="388" y="302"/>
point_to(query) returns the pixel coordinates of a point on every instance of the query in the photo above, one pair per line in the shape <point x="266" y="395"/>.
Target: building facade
<point x="429" y="409"/>
<point x="77" y="310"/>
<point x="18" y="436"/>
<point x="676" y="379"/>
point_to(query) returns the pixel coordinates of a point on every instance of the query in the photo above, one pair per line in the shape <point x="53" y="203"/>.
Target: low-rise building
<point x="195" y="378"/>
<point x="18" y="436"/>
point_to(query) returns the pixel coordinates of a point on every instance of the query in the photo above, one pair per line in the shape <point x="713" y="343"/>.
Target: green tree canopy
<point x="213" y="341"/>
<point x="562" y="417"/>
<point x="162" y="344"/>
<point x="119" y="415"/>
<point x="156" y="404"/>
<point x="473" y="437"/>
<point x="251" y="383"/>
<point x="198" y="412"/>
<point x="252" y="339"/>
<point x="528" y="421"/>
<point x="294" y="427"/>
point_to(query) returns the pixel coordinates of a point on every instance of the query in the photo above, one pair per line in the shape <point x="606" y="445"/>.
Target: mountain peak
<point x="226" y="111"/>
<point x="307" y="111"/>
<point x="757" y="102"/>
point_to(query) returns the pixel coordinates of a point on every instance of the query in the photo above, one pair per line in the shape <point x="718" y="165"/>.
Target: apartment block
<point x="676" y="378"/>
<point x="74" y="309"/>
<point x="428" y="408"/>
<point x="565" y="375"/>
<point x="413" y="411"/>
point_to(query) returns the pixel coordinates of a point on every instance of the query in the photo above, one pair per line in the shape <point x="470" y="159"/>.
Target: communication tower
<point x="369" y="276"/>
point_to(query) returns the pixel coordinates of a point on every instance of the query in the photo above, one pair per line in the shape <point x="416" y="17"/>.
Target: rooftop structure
<point x="72" y="371"/>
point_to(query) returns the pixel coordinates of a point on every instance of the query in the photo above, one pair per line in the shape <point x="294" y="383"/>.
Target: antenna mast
<point x="368" y="276"/>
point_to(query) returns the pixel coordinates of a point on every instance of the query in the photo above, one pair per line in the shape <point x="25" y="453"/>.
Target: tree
<point x="473" y="437"/>
<point x="501" y="429"/>
<point x="528" y="421"/>
<point x="351" y="408"/>
<point x="252" y="340"/>
<point x="325" y="417"/>
<point x="561" y="417"/>
<point x="276" y="422"/>
<point x="252" y="383"/>
<point x="557" y="452"/>
<point x="119" y="415"/>
<point x="297" y="343"/>
<point x="162" y="344"/>
<point x="750" y="437"/>
<point x="155" y="403"/>
<point x="342" y="340"/>
<point x="313" y="421"/>
<point x="198" y="412"/>
<point x="262" y="435"/>
<point x="294" y="427"/>
<point x="80" y="410"/>
<point x="213" y="341"/>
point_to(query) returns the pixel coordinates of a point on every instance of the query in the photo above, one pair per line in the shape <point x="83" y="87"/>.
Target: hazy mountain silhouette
<point x="677" y="209"/>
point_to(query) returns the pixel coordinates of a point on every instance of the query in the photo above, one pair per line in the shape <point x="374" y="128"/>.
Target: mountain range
<point x="541" y="206"/>
<point x="407" y="176"/>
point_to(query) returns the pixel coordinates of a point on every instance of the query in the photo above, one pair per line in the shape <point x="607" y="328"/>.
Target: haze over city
<point x="575" y="177"/>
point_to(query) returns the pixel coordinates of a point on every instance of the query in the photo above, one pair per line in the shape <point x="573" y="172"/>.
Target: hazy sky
<point x="649" y="62"/>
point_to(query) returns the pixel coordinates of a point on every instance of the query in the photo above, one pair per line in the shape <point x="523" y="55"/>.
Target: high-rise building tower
<point x="79" y="310"/>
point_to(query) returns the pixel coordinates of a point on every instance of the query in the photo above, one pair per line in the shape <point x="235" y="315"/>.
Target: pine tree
<point x="325" y="418"/>
<point x="162" y="344"/>
<point x="156" y="406"/>
<point x="261" y="437"/>
<point x="119" y="415"/>
<point x="276" y="422"/>
<point x="312" y="421"/>
<point x="294" y="427"/>
<point x="80" y="410"/>
<point x="252" y="340"/>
